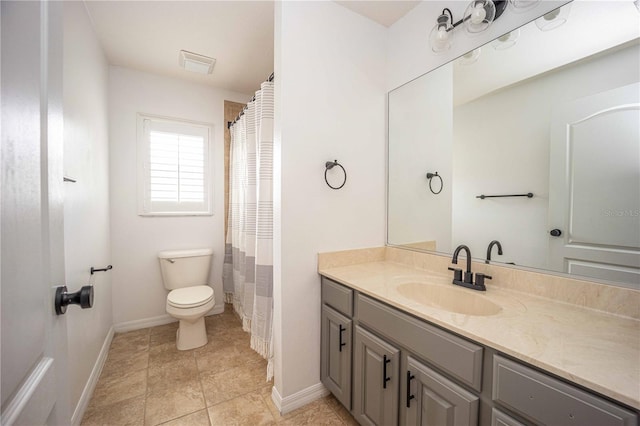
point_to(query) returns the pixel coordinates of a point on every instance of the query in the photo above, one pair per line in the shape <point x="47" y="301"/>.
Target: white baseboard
<point x="218" y="309"/>
<point x="292" y="402"/>
<point x="122" y="327"/>
<point x="87" y="392"/>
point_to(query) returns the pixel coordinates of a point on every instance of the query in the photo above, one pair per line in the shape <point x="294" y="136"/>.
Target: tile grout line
<point x="146" y="385"/>
<point x="257" y="389"/>
<point x="338" y="416"/>
<point x="231" y="323"/>
<point x="204" y="398"/>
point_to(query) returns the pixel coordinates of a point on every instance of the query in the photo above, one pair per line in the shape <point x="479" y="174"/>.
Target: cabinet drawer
<point x="458" y="357"/>
<point x="337" y="296"/>
<point x="498" y="418"/>
<point x="543" y="399"/>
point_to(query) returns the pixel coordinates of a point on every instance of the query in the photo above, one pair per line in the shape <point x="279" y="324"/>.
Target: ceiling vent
<point x="196" y="63"/>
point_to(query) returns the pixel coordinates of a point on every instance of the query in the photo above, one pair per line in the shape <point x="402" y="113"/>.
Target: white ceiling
<point x="382" y="12"/>
<point x="148" y="35"/>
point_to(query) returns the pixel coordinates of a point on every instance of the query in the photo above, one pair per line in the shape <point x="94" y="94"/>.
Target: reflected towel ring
<point x="328" y="166"/>
<point x="430" y="176"/>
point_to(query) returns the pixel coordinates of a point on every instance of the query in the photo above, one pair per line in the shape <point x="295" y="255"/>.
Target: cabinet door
<point x="431" y="399"/>
<point x="335" y="356"/>
<point x="376" y="381"/>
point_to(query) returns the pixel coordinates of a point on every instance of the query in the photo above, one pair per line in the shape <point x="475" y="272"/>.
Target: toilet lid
<point x="190" y="297"/>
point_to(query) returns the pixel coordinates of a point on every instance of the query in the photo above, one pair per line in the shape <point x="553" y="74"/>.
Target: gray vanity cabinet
<point x="410" y="372"/>
<point x="376" y="381"/>
<point x="432" y="399"/>
<point x="336" y="340"/>
<point x="542" y="399"/>
<point x="426" y="396"/>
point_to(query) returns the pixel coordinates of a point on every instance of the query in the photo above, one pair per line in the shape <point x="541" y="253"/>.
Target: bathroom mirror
<point x="532" y="140"/>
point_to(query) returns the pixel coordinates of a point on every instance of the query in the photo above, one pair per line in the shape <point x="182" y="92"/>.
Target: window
<point x="174" y="168"/>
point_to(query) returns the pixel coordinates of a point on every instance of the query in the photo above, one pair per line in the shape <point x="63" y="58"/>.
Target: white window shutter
<point x="176" y="168"/>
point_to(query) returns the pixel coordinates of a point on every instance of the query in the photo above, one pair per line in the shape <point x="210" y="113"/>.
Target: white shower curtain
<point x="248" y="264"/>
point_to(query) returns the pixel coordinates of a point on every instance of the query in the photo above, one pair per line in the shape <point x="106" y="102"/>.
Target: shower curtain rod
<point x="231" y="123"/>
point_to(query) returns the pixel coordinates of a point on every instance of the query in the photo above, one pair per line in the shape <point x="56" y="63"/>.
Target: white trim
<point x="33" y="401"/>
<point x="87" y="392"/>
<point x="143" y="323"/>
<point x="217" y="309"/>
<point x="155" y="321"/>
<point x="292" y="402"/>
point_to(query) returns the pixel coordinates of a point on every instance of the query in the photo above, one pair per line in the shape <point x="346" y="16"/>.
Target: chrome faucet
<point x="491" y="244"/>
<point x="467" y="281"/>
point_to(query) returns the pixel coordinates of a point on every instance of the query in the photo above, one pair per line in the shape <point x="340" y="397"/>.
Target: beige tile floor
<point x="146" y="380"/>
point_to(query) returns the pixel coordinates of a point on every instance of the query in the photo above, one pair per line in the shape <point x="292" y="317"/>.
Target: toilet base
<point x="191" y="335"/>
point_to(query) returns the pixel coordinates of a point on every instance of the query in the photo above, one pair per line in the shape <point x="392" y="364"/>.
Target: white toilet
<point x="185" y="274"/>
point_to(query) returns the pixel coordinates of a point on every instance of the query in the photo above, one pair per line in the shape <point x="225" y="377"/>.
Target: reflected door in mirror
<point x="594" y="189"/>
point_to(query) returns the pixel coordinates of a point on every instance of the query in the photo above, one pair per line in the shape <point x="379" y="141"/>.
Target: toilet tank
<point x="185" y="268"/>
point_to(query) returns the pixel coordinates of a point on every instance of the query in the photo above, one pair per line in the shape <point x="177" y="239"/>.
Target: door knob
<point x="555" y="232"/>
<point x="82" y="297"/>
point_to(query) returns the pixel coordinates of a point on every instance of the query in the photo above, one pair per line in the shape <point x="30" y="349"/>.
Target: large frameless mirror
<point x="532" y="140"/>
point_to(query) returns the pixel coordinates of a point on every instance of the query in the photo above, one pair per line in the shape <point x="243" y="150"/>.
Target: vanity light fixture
<point x="554" y="19"/>
<point x="478" y="16"/>
<point x="196" y="63"/>
<point x="506" y="41"/>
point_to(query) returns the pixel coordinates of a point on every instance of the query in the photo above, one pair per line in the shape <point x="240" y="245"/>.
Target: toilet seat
<point x="190" y="297"/>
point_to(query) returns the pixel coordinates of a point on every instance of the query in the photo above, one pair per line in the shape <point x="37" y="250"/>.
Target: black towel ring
<point x="430" y="176"/>
<point x="330" y="165"/>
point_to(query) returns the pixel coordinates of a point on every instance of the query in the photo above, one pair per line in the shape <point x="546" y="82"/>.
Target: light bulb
<point x="553" y="19"/>
<point x="478" y="14"/>
<point x="551" y="15"/>
<point x="469" y="57"/>
<point x="523" y="5"/>
<point x="440" y="39"/>
<point x="506" y="41"/>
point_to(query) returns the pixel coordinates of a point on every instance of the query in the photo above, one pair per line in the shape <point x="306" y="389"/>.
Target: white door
<point x="33" y="384"/>
<point x="594" y="194"/>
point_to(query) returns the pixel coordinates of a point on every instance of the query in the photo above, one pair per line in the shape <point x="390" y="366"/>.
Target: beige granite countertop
<point x="594" y="348"/>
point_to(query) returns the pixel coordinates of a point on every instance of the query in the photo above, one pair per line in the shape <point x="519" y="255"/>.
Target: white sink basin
<point x="452" y="299"/>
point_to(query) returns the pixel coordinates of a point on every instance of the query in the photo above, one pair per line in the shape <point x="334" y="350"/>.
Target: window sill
<point x="175" y="214"/>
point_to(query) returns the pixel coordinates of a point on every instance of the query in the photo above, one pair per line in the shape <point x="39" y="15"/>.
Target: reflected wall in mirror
<point x="557" y="114"/>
